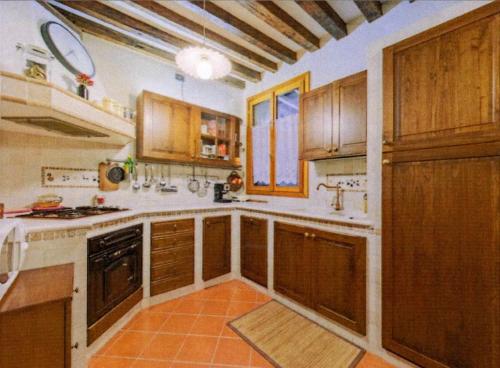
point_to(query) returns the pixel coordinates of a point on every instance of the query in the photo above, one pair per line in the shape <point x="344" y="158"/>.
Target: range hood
<point x="38" y="107"/>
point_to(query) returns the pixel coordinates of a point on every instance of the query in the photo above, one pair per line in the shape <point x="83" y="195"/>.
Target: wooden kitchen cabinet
<point x="165" y="128"/>
<point x="318" y="139"/>
<point x="216" y="246"/>
<point x="172" y="255"/>
<point x="292" y="263"/>
<point x="169" y="130"/>
<point x="442" y="87"/>
<point x="339" y="278"/>
<point x="35" y="319"/>
<point x="323" y="271"/>
<point x="441" y="194"/>
<point x="253" y="247"/>
<point x="333" y="119"/>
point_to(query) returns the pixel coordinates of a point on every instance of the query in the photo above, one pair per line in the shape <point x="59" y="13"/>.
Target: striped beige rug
<point x="289" y="340"/>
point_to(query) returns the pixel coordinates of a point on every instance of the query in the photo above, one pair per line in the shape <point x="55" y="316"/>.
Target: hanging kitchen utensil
<point x="162" y="182"/>
<point x="235" y="181"/>
<point x="136" y="186"/>
<point x="115" y="173"/>
<point x="203" y="191"/>
<point x="169" y="188"/>
<point x="194" y="184"/>
<point x="104" y="183"/>
<point x="147" y="178"/>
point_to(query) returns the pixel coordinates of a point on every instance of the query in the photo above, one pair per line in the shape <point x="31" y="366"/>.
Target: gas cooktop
<point x="68" y="213"/>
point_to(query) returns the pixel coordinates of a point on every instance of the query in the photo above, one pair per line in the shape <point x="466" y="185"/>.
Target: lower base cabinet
<point x="216" y="247"/>
<point x="35" y="319"/>
<point x="323" y="271"/>
<point x="172" y="255"/>
<point x="253" y="247"/>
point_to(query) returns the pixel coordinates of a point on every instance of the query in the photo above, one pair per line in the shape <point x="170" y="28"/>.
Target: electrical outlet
<point x="179" y="77"/>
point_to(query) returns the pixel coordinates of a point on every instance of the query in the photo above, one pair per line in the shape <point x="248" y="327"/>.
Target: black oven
<point x="114" y="270"/>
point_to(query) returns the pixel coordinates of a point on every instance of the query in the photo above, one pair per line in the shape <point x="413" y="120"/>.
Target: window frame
<point x="302" y="82"/>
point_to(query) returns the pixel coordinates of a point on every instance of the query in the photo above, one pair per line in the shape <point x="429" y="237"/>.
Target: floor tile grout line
<point x="187" y="335"/>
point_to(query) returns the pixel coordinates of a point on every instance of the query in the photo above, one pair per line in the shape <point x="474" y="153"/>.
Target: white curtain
<point x="260" y="150"/>
<point x="287" y="150"/>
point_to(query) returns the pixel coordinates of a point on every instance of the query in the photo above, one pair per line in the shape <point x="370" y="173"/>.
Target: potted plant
<point x="84" y="81"/>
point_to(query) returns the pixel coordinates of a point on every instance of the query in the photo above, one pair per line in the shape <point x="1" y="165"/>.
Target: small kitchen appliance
<point x="220" y="192"/>
<point x="68" y="213"/>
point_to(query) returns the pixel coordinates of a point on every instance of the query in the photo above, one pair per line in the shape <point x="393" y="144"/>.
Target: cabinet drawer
<point x="171" y="242"/>
<point x="171" y="255"/>
<point x="171" y="227"/>
<point x="183" y="266"/>
<point x="171" y="283"/>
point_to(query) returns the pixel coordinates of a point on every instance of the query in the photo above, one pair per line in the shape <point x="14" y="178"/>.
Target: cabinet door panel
<point x="254" y="249"/>
<point x="441" y="270"/>
<point x="292" y="268"/>
<point x="165" y="128"/>
<point x="445" y="87"/>
<point x="350" y="115"/>
<point x="316" y="124"/>
<point x="216" y="246"/>
<point x="339" y="278"/>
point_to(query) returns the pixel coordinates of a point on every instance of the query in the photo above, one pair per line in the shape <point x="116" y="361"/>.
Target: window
<point x="273" y="165"/>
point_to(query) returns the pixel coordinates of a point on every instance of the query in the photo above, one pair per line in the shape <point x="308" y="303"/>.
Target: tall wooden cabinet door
<point x="165" y="128"/>
<point x="339" y="278"/>
<point x="441" y="252"/>
<point x="216" y="246"/>
<point x="316" y="136"/>
<point x="443" y="85"/>
<point x="254" y="249"/>
<point x="292" y="263"/>
<point x="350" y="114"/>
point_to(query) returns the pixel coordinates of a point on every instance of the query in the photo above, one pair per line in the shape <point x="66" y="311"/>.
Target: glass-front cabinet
<point x="218" y="139"/>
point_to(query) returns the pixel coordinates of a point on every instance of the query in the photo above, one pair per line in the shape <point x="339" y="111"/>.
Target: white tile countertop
<point x="305" y="213"/>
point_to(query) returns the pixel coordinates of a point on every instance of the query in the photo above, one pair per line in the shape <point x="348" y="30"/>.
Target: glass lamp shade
<point x="203" y="63"/>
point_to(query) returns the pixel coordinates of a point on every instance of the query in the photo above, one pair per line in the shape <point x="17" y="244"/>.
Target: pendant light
<point x="202" y="62"/>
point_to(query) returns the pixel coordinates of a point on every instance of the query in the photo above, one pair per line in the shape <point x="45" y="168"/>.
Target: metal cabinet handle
<point x="306" y="235"/>
<point x="313" y="236"/>
<point x="386" y="162"/>
<point x="76" y="290"/>
<point x="75" y="346"/>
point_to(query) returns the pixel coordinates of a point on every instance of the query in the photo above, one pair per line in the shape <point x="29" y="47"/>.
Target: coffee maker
<point x="220" y="191"/>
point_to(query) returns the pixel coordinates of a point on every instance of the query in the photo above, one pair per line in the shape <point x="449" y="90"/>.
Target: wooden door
<point x="442" y="87"/>
<point x="292" y="263"/>
<point x="339" y="278"/>
<point x="172" y="255"/>
<point x="441" y="252"/>
<point x="254" y="249"/>
<point x="216" y="246"/>
<point x="164" y="128"/>
<point x="316" y="134"/>
<point x="349" y="116"/>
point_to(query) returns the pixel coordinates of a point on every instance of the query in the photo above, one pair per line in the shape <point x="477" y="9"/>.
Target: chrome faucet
<point x="338" y="203"/>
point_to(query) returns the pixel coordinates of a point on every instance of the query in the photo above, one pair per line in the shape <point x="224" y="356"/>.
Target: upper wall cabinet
<point x="170" y="130"/>
<point x="333" y="119"/>
<point x="444" y="85"/>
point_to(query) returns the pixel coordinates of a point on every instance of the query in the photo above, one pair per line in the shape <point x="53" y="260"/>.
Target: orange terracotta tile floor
<point x="191" y="332"/>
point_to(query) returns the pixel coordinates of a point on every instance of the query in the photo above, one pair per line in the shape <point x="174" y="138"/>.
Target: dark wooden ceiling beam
<point x="123" y="21"/>
<point x="236" y="26"/>
<point x="328" y="18"/>
<point x="191" y="25"/>
<point x="283" y="22"/>
<point x="58" y="15"/>
<point x="370" y="9"/>
<point x="98" y="30"/>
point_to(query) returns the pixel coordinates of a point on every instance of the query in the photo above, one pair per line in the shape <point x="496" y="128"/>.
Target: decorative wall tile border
<point x="82" y="231"/>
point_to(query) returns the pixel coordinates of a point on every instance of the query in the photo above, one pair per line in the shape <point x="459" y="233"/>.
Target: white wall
<point x="121" y="74"/>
